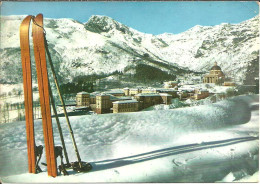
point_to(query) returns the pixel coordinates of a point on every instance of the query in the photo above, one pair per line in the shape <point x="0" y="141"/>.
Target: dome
<point x="215" y="67"/>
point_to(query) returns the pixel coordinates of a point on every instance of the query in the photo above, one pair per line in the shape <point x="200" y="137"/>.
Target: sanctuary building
<point x="215" y="75"/>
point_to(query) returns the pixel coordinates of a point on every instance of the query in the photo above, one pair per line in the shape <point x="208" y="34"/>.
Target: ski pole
<point x="62" y="101"/>
<point x="58" y="124"/>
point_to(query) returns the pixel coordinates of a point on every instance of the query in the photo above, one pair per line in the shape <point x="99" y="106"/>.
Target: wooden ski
<point x="28" y="96"/>
<point x="42" y="76"/>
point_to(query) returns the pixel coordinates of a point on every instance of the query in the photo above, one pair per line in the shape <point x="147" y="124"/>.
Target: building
<point x="118" y="92"/>
<point x="172" y="92"/>
<point x="82" y="99"/>
<point x="201" y="94"/>
<point x="135" y="91"/>
<point x="132" y="92"/>
<point x="196" y="79"/>
<point x="229" y="83"/>
<point x="148" y="99"/>
<point x="166" y="98"/>
<point x="215" y="75"/>
<point x="125" y="106"/>
<point x="103" y="104"/>
<point x="148" y="90"/>
<point x="92" y="99"/>
<point x="127" y="91"/>
<point x="170" y="84"/>
<point x="183" y="94"/>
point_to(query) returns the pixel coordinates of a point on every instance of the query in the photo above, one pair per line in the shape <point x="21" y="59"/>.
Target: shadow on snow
<point x="119" y="162"/>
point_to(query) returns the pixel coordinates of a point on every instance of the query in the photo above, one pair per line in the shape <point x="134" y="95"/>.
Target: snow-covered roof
<point x="82" y="93"/>
<point x="186" y="89"/>
<point x="103" y="94"/>
<point x="135" y="89"/>
<point x="124" y="97"/>
<point x="166" y="89"/>
<point x="165" y="94"/>
<point x="204" y="90"/>
<point x="113" y="97"/>
<point x="150" y="88"/>
<point x="148" y="94"/>
<point x="95" y="92"/>
<point x="114" y="92"/>
<point x="125" y="101"/>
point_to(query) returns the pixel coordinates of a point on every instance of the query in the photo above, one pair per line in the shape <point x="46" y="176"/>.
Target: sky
<point x="148" y="17"/>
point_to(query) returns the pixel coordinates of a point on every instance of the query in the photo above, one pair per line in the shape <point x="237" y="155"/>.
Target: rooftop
<point x="124" y="97"/>
<point x="82" y="93"/>
<point x="167" y="89"/>
<point x="135" y="89"/>
<point x="125" y="101"/>
<point x="215" y="67"/>
<point x="102" y="94"/>
<point x="164" y="94"/>
<point x="114" y="98"/>
<point x="114" y="91"/>
<point x="148" y="94"/>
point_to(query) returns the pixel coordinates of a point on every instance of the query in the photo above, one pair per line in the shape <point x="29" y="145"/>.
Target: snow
<point x="82" y="93"/>
<point x="111" y="51"/>
<point x="148" y="94"/>
<point x="195" y="144"/>
<point x="248" y="178"/>
<point x="212" y="88"/>
<point x="229" y="178"/>
<point x="5" y="88"/>
<point x="9" y="94"/>
<point x="125" y="101"/>
<point x="164" y="94"/>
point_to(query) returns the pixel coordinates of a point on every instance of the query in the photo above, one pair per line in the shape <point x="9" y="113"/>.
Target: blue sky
<point x="148" y="17"/>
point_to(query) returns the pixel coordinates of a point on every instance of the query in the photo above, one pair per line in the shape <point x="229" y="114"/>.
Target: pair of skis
<point x="43" y="85"/>
<point x="40" y="46"/>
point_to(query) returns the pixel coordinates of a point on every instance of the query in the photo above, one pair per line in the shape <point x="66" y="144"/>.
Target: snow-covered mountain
<point x="103" y="46"/>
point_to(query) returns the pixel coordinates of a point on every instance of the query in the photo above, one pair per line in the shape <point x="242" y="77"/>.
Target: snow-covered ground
<point x="208" y="143"/>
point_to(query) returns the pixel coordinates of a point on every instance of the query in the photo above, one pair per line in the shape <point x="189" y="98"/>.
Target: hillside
<point x="103" y="46"/>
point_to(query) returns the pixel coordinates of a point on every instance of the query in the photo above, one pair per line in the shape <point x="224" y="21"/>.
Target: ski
<point x="40" y="46"/>
<point x="28" y="96"/>
<point x="43" y="85"/>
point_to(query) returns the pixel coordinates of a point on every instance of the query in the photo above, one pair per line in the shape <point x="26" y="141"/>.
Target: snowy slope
<point x="232" y="46"/>
<point x="103" y="45"/>
<point x="195" y="144"/>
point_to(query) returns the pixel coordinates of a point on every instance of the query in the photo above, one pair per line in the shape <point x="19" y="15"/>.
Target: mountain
<point x="103" y="46"/>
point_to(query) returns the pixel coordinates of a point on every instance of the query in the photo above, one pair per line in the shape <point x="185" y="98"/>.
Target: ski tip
<point x="24" y="26"/>
<point x="26" y="20"/>
<point x="40" y="15"/>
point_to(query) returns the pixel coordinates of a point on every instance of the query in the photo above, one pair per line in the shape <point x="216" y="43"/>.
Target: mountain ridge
<point x="103" y="46"/>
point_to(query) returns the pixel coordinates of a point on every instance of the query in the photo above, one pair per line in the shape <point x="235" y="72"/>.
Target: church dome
<point x="215" y="67"/>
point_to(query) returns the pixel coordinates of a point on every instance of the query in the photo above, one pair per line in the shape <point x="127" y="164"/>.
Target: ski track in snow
<point x="163" y="141"/>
